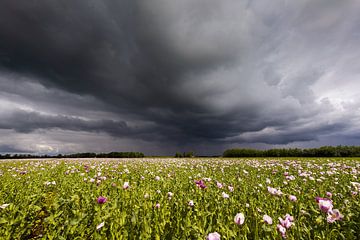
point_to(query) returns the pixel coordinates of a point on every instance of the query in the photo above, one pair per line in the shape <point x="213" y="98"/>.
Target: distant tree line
<point x="325" y="151"/>
<point x="185" y="155"/>
<point x="77" y="155"/>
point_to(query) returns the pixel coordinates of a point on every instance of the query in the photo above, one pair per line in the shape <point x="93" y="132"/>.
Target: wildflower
<point x="113" y="184"/>
<point x="292" y="198"/>
<point x="4" y="205"/>
<point x="224" y="195"/>
<point x="200" y="184"/>
<point x="101" y="200"/>
<point x="281" y="230"/>
<point x="92" y="180"/>
<point x="325" y="204"/>
<point x="213" y="236"/>
<point x="191" y="203"/>
<point x="126" y="185"/>
<point x="334" y="215"/>
<point x="157" y="205"/>
<point x="100" y="225"/>
<point x="329" y="194"/>
<point x="170" y="194"/>
<point x="291" y="177"/>
<point x="268" y="181"/>
<point x="219" y="185"/>
<point x="50" y="183"/>
<point x="231" y="188"/>
<point x="287" y="222"/>
<point x="267" y="219"/>
<point x="239" y="219"/>
<point x="157" y="178"/>
<point x="274" y="191"/>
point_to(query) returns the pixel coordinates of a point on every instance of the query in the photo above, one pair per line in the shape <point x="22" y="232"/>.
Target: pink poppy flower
<point x="281" y="230"/>
<point x="334" y="215"/>
<point x="126" y="185"/>
<point x="170" y="194"/>
<point x="239" y="219"/>
<point x="225" y="195"/>
<point x="267" y="219"/>
<point x="274" y="191"/>
<point x="325" y="204"/>
<point x="213" y="236"/>
<point x="287" y="222"/>
<point x="100" y="225"/>
<point x="200" y="184"/>
<point x="101" y="200"/>
<point x="292" y="198"/>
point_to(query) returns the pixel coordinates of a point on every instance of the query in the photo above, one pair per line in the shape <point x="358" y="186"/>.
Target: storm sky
<point x="162" y="76"/>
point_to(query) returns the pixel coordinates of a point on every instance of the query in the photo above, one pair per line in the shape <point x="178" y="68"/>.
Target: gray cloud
<point x="11" y="149"/>
<point x="189" y="73"/>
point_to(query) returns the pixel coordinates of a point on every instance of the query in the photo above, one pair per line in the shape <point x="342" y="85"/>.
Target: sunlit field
<point x="193" y="198"/>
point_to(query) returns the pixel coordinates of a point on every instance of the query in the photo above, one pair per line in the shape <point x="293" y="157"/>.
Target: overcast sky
<point x="161" y="76"/>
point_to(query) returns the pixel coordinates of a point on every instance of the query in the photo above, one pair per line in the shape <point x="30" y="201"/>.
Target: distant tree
<point x="325" y="151"/>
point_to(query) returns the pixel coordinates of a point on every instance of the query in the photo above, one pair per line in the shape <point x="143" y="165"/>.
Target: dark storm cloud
<point x="291" y="134"/>
<point x="26" y="122"/>
<point x="186" y="72"/>
<point x="11" y="149"/>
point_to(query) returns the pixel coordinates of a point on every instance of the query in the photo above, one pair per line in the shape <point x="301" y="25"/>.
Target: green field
<point x="190" y="198"/>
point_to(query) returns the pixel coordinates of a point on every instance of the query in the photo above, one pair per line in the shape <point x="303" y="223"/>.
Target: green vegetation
<point x="326" y="151"/>
<point x="78" y="155"/>
<point x="185" y="155"/>
<point x="187" y="198"/>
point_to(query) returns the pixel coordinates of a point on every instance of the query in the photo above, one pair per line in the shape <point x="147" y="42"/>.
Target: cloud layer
<point x="177" y="75"/>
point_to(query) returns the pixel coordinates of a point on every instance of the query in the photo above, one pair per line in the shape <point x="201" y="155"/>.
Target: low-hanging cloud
<point x="187" y="73"/>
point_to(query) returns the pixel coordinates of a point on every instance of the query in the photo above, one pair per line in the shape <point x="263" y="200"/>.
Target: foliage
<point x="325" y="151"/>
<point x="78" y="155"/>
<point x="184" y="155"/>
<point x="187" y="198"/>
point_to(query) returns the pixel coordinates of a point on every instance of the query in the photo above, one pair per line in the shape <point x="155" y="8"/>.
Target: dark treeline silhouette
<point x="185" y="155"/>
<point x="77" y="155"/>
<point x="326" y="151"/>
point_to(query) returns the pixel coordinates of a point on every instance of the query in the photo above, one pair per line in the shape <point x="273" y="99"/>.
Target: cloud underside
<point x="170" y="75"/>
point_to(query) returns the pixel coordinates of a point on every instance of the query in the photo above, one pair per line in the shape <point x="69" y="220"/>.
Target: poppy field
<point x="187" y="198"/>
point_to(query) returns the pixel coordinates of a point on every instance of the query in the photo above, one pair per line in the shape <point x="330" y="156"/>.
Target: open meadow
<point x="187" y="198"/>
